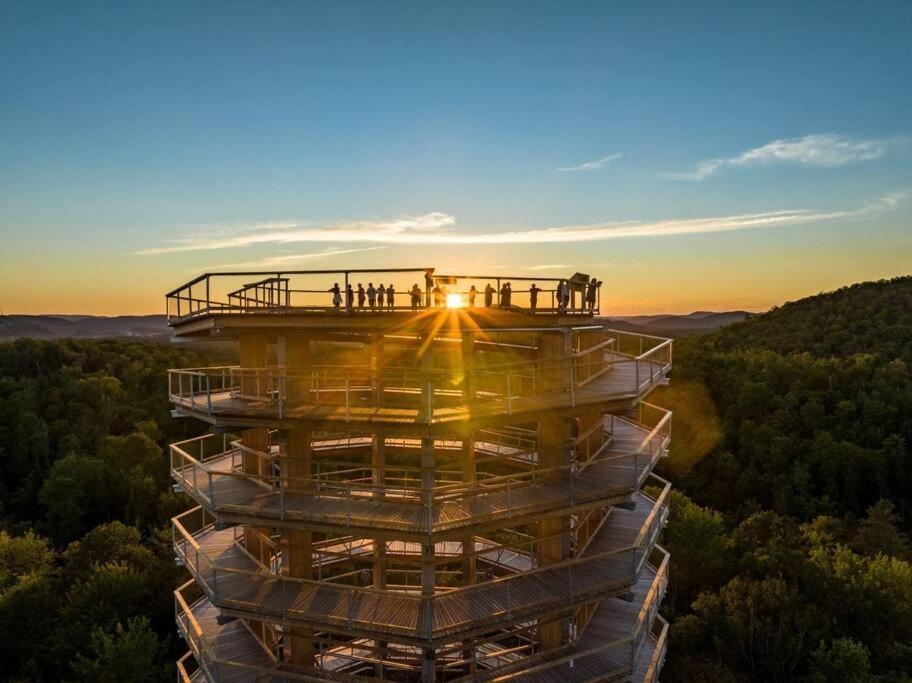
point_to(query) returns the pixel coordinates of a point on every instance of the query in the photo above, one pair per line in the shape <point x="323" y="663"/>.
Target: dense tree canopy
<point x="789" y="529"/>
<point x="86" y="568"/>
<point x="790" y="551"/>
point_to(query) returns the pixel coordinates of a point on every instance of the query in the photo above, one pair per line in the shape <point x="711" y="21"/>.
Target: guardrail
<point x="273" y="391"/>
<point x="327" y="291"/>
<point x="196" y="474"/>
<point x="440" y="617"/>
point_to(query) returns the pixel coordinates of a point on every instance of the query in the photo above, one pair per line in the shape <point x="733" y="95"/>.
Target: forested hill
<point x="868" y="318"/>
<point x="789" y="528"/>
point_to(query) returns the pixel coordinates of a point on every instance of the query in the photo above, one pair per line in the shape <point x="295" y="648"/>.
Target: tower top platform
<point x="230" y="303"/>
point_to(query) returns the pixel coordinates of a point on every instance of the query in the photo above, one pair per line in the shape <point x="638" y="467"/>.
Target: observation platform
<point x="408" y="400"/>
<point x="414" y="475"/>
<point x="226" y="304"/>
<point x="610" y="476"/>
<point x="239" y="585"/>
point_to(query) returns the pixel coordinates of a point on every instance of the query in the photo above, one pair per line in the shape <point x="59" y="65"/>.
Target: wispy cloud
<point x="824" y="150"/>
<point x="592" y="165"/>
<point x="549" y="266"/>
<point x="434" y="229"/>
<point x="291" y="259"/>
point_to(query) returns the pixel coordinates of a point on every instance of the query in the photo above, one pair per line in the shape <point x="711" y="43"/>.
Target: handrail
<point x="417" y="494"/>
<point x="570" y="652"/>
<point x="434" y="629"/>
<point x="273" y="292"/>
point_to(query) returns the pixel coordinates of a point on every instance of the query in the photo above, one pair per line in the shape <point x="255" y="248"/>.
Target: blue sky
<point x="133" y="135"/>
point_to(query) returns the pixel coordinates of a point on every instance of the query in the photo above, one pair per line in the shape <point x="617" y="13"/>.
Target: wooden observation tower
<point x="455" y="485"/>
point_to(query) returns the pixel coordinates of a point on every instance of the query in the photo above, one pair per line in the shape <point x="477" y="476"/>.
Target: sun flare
<point x="454" y="301"/>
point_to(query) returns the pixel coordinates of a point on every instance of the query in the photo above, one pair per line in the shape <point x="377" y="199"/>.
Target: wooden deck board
<point x="327" y="605"/>
<point x="602" y="480"/>
<point x="619" y="383"/>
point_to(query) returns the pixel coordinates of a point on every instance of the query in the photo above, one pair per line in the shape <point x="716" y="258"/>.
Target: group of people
<point x="378" y="298"/>
<point x="382" y="298"/>
<point x="587" y="301"/>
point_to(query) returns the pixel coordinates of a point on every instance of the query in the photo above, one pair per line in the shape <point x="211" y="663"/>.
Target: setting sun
<point x="454" y="301"/>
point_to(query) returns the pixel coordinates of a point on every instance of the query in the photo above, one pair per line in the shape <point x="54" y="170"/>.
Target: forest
<point x="789" y="527"/>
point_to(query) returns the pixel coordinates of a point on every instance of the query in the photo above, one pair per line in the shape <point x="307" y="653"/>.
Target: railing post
<point x="208" y="396"/>
<point x="572" y="384"/>
<point x="509" y="397"/>
<point x="347" y="387"/>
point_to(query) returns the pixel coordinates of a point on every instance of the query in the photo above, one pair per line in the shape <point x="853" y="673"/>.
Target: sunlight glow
<point x="454" y="301"/>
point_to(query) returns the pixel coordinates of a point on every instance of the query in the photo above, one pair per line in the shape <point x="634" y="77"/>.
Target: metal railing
<point x="316" y="291"/>
<point x="442" y="616"/>
<point x="346" y="390"/>
<point x="196" y="473"/>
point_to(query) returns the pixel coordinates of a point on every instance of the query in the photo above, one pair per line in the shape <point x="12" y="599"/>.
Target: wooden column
<point x="428" y="573"/>
<point x="297" y="363"/>
<point x="378" y="467"/>
<point x="553" y="451"/>
<point x="252" y="352"/>
<point x="468" y="542"/>
<point x="376" y="356"/>
<point x="468" y="367"/>
<point x="296" y="469"/>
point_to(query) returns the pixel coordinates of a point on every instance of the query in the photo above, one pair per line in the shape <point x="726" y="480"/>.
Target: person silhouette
<point x="371" y="295"/>
<point x="505" y="292"/>
<point x="489" y="295"/>
<point x="349" y="297"/>
<point x="337" y="296"/>
<point x="533" y="296"/>
<point x="390" y="294"/>
<point x="381" y="295"/>
<point x="590" y="293"/>
<point x="437" y="292"/>
<point x="472" y="293"/>
<point x="416" y="297"/>
<point x="361" y="295"/>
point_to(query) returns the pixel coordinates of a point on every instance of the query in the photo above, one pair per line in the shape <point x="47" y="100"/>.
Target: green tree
<point x="842" y="661"/>
<point x="134" y="653"/>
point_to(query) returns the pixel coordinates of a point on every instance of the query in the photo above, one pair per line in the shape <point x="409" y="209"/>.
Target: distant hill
<point x="82" y="326"/>
<point x="872" y="318"/>
<point x="697" y="322"/>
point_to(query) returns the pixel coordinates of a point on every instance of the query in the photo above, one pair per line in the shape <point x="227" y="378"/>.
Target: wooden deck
<point x="239" y="585"/>
<point x="617" y="643"/>
<point x="235" y="497"/>
<point x="228" y="652"/>
<point x="625" y="383"/>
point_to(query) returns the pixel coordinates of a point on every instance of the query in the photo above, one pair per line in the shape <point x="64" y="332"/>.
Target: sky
<point x="693" y="156"/>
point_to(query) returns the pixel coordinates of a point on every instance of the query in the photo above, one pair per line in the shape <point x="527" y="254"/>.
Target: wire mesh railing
<point x="442" y="617"/>
<point x="429" y="394"/>
<point x="583" y="479"/>
<point x="376" y="290"/>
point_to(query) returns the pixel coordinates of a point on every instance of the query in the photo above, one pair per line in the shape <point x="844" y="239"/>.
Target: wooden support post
<point x="256" y="439"/>
<point x="553" y="452"/>
<point x="376" y="357"/>
<point x="428" y="570"/>
<point x="468" y="542"/>
<point x="426" y="408"/>
<point x="296" y="470"/>
<point x="553" y="353"/>
<point x="297" y="364"/>
<point x="468" y="367"/>
<point x="252" y="352"/>
<point x="378" y="467"/>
